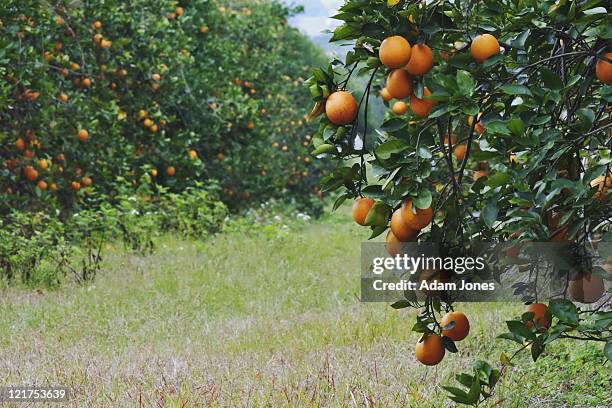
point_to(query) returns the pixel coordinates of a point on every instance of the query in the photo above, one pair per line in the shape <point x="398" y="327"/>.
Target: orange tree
<point x="161" y="93"/>
<point x="499" y="129"/>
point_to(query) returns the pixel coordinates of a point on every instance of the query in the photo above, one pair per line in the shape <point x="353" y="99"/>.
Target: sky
<point x="315" y="18"/>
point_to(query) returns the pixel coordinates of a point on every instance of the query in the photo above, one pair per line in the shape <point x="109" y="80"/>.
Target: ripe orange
<point x="603" y="69"/>
<point x="461" y="328"/>
<point x="460" y="151"/>
<point x="393" y="244"/>
<point x="86" y="83"/>
<point x="539" y="316"/>
<point x="170" y="171"/>
<point x="483" y="47"/>
<point x="20" y="144"/>
<point x="156" y="77"/>
<point x="42" y="185"/>
<point x="153" y="173"/>
<point x="83" y="135"/>
<point x="341" y="108"/>
<point x="86" y="181"/>
<point x="421" y="107"/>
<point x="421" y="61"/>
<point x="385" y="95"/>
<point x="400" y="108"/>
<point x="431" y="350"/>
<point x="97" y="25"/>
<point x="179" y="11"/>
<point x="220" y="157"/>
<point x="192" y="154"/>
<point x="203" y="29"/>
<point x="43" y="164"/>
<point x="399" y="84"/>
<point x="395" y="52"/>
<point x="30" y="173"/>
<point x="400" y="230"/>
<point x="361" y="208"/>
<point x="105" y="44"/>
<point x="587" y="288"/>
<point x="147" y="123"/>
<point x="416" y="220"/>
<point x="479" y="128"/>
<point x="479" y="174"/>
<point x="75" y="185"/>
<point x="28" y="154"/>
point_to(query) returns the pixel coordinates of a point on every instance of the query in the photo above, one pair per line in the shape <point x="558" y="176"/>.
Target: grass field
<point x="267" y="318"/>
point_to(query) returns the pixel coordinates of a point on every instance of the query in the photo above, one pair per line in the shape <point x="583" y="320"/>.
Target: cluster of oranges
<point x="430" y="350"/>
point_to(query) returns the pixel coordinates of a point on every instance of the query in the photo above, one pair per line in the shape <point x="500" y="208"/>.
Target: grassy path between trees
<point x="269" y="318"/>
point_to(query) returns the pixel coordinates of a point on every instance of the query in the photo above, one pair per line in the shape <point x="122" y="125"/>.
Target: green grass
<point x="268" y="318"/>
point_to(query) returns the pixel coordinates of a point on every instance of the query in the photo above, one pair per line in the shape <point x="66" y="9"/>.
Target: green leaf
<point x="324" y="148"/>
<point x="465" y="83"/>
<point x="393" y="125"/>
<point x="519" y="328"/>
<point x="516" y="90"/>
<point x="385" y="150"/>
<point x="379" y="215"/>
<point x="489" y="213"/>
<point x="423" y="200"/>
<point x="498" y="179"/>
<point x="565" y="310"/>
<point x="400" y="304"/>
<point x="517" y="127"/>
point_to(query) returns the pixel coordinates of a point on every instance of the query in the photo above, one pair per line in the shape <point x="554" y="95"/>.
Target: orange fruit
<point x="43" y="164"/>
<point x="170" y="171"/>
<point x="192" y="154"/>
<point x="385" y="95"/>
<point x="104" y="44"/>
<point x="431" y="350"/>
<point x="86" y="82"/>
<point x="179" y="11"/>
<point x="421" y="107"/>
<point x="587" y="288"/>
<point x="400" y="230"/>
<point x="603" y="69"/>
<point x="153" y="173"/>
<point x="461" y="328"/>
<point x="479" y="174"/>
<point x="83" y="135"/>
<point x="393" y="244"/>
<point x="479" y="128"/>
<point x="416" y="220"/>
<point x="483" y="47"/>
<point x="20" y="144"/>
<point x="42" y="185"/>
<point x="361" y="208"/>
<point x="86" y="181"/>
<point x="421" y="61"/>
<point x="53" y="187"/>
<point x="204" y="29"/>
<point x="341" y="108"/>
<point x="147" y="123"/>
<point x="97" y="25"/>
<point x="400" y="108"/>
<point x="399" y="84"/>
<point x="75" y="185"/>
<point x="539" y="316"/>
<point x="460" y="151"/>
<point x="30" y="173"/>
<point x="156" y="77"/>
<point x="395" y="52"/>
